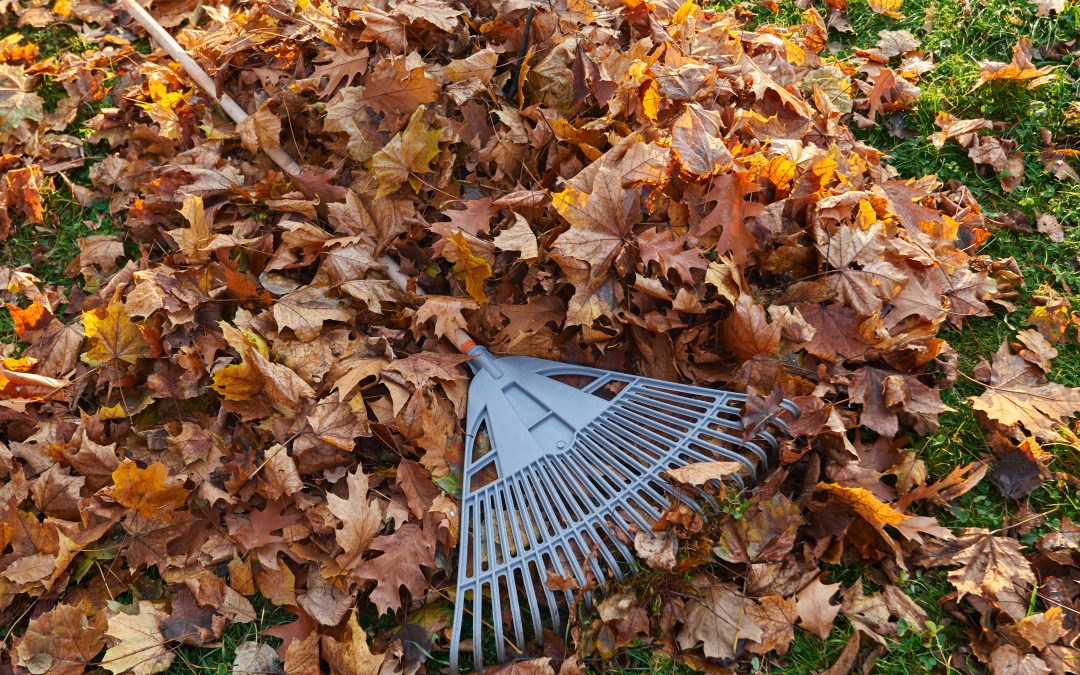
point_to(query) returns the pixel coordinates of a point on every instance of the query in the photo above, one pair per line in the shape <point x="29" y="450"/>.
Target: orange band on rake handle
<point x="462" y="341"/>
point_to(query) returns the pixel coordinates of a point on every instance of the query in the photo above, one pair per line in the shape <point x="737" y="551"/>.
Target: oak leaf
<point x="404" y="553"/>
<point x="361" y="519"/>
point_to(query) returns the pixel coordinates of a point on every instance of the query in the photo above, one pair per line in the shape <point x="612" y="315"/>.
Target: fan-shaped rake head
<point x="562" y="466"/>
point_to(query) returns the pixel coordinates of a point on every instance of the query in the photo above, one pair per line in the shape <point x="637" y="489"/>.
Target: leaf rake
<point x="563" y="463"/>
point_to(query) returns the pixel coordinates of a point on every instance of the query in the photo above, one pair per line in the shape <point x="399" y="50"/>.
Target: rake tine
<point x="544" y="475"/>
<point x="605" y="464"/>
<point x="576" y="534"/>
<point x="478" y="621"/>
<point x="609" y="454"/>
<point x="630" y="420"/>
<point x="455" y="634"/>
<point x="636" y="415"/>
<point x="507" y="513"/>
<point x="541" y="517"/>
<point x="528" y="515"/>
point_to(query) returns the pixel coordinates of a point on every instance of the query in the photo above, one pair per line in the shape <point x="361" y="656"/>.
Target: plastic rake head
<point x="560" y="461"/>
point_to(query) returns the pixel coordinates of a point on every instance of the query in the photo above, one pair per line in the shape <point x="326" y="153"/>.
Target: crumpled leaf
<point x="718" y="618"/>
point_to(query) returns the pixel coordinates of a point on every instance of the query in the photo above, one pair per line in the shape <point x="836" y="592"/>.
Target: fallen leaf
<point x="138" y="647"/>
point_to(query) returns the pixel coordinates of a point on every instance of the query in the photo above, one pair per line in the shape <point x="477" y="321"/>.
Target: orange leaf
<point x="865" y="504"/>
<point x="145" y="490"/>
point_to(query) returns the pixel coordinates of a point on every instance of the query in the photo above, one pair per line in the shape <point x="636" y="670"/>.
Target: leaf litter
<point x="247" y="407"/>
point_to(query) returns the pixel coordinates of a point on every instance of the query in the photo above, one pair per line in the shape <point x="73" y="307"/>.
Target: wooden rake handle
<point x="460" y="339"/>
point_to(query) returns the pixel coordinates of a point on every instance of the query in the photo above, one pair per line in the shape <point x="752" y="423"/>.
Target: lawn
<point x="955" y="36"/>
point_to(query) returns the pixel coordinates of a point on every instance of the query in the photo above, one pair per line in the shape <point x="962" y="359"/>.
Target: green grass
<point x="218" y="657"/>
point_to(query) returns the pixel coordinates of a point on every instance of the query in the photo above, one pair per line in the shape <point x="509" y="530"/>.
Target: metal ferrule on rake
<point x="557" y="477"/>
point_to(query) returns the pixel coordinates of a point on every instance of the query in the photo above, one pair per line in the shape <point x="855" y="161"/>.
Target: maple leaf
<point x="261" y="130"/>
<point x="718" y="617"/>
<point x="63" y="641"/>
<point x="197" y="232"/>
<point x="992" y="567"/>
<point x="305" y="309"/>
<point x="600" y="221"/>
<point x="1020" y="69"/>
<point x="876" y="280"/>
<point x="409" y="152"/>
<point x="255" y="529"/>
<point x="697" y="142"/>
<point x="671" y="253"/>
<point x="145" y="490"/>
<point x="1043" y="629"/>
<point x="17" y="98"/>
<point x="886" y="396"/>
<point x="112" y="336"/>
<point x="766" y="531"/>
<point x="447" y="313"/>
<point x="435" y="12"/>
<point x="747" y="332"/>
<point x="1017" y="393"/>
<point x="139" y="646"/>
<point x="518" y="237"/>
<point x="700" y="473"/>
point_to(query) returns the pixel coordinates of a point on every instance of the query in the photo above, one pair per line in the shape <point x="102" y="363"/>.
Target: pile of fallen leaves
<point x="247" y="405"/>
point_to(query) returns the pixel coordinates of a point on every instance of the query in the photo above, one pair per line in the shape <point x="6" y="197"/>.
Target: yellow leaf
<point x="409" y="152"/>
<point x="866" y="216"/>
<point x="650" y="100"/>
<point x="887" y="7"/>
<point x="475" y="269"/>
<point x="865" y="504"/>
<point x="684" y="11"/>
<point x="781" y="172"/>
<point x="62" y="8"/>
<point x="112" y="336"/>
<point x="145" y="490"/>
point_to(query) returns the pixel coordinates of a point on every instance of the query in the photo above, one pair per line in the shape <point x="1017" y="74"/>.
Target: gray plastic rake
<point x="562" y="464"/>
<point x="561" y="460"/>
